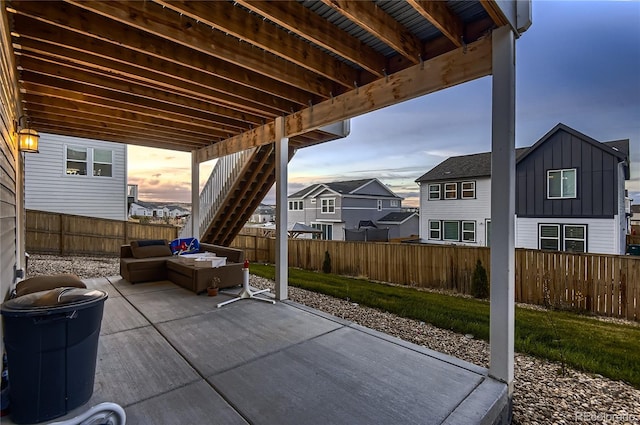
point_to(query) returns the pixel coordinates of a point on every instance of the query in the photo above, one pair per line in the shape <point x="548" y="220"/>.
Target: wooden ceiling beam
<point x="44" y="114"/>
<point x="248" y="27"/>
<point x="134" y="43"/>
<point x="115" y="81"/>
<point x="197" y="113"/>
<point x="62" y="130"/>
<point x="377" y="22"/>
<point x="306" y="24"/>
<point x="449" y="69"/>
<point x="151" y="18"/>
<point x="151" y="69"/>
<point x="52" y="105"/>
<point x="441" y="17"/>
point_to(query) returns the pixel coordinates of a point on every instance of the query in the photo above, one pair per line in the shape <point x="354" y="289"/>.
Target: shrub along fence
<point x="601" y="284"/>
<point x="65" y="234"/>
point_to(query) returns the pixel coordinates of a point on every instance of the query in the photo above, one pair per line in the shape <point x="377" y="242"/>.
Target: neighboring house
<point x="333" y="207"/>
<point x="401" y="224"/>
<point x="635" y="215"/>
<point x="78" y="176"/>
<point x="570" y="196"/>
<point x="263" y="214"/>
<point x="158" y="210"/>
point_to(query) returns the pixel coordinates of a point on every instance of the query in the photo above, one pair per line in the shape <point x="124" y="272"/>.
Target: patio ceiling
<point x="211" y="76"/>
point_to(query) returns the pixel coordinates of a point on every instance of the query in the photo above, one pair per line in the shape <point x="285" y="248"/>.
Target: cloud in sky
<point x="578" y="64"/>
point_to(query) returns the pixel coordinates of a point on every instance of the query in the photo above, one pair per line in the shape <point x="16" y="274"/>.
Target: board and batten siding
<point x="599" y="231"/>
<point x="597" y="179"/>
<point x="11" y="181"/>
<point x="478" y="210"/>
<point x="49" y="188"/>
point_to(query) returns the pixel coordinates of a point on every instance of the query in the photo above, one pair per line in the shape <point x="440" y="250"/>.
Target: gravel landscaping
<point x="542" y="395"/>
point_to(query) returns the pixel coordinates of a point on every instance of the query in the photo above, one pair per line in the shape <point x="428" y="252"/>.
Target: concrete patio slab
<point x="346" y="377"/>
<point x="241" y="332"/>
<point x="253" y="362"/>
<point x="195" y="403"/>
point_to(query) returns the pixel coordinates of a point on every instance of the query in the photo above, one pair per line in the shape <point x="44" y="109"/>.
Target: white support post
<point x="195" y="195"/>
<point x="282" y="162"/>
<point x="503" y="178"/>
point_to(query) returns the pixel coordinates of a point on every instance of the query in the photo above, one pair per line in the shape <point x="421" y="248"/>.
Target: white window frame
<point x="565" y="238"/>
<point x="444" y="237"/>
<point x="313" y="200"/>
<point x="296" y="205"/>
<point x="448" y="190"/>
<point x="327" y="205"/>
<point x="562" y="177"/>
<point x="434" y="229"/>
<point x="434" y="195"/>
<point x="94" y="162"/>
<point x="540" y="226"/>
<point x="467" y="190"/>
<point x="86" y="160"/>
<point x="379" y="205"/>
<point x="394" y="203"/>
<point x="327" y="231"/>
<point x="468" y="235"/>
<point x="89" y="161"/>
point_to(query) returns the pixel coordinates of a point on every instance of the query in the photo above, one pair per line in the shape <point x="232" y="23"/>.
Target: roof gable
<point x="362" y="187"/>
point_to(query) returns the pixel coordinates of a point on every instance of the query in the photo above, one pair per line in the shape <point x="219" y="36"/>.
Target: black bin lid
<point x="58" y="300"/>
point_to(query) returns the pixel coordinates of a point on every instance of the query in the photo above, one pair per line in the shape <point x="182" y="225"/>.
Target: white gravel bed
<point x="541" y="394"/>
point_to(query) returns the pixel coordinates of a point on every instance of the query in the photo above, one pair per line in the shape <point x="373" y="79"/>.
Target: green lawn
<point x="581" y="342"/>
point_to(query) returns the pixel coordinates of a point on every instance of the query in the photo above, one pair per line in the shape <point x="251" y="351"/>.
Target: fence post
<point x="61" y="249"/>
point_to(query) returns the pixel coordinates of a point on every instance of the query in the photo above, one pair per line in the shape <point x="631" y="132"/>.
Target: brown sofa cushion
<point x="44" y="283"/>
<point x="150" y="248"/>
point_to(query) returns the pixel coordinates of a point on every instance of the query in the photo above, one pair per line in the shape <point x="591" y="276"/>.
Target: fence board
<point x="65" y="234"/>
<point x="600" y="284"/>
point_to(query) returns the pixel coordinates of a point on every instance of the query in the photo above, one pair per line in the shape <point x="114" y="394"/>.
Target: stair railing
<point x="215" y="191"/>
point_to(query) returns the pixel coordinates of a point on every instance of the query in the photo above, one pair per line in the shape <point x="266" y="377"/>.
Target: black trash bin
<point x="51" y="340"/>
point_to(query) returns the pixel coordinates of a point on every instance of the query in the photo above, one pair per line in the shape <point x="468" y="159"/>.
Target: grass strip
<point x="575" y="340"/>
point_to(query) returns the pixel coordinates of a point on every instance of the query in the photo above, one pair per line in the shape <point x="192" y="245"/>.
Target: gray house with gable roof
<point x="336" y="206"/>
<point x="570" y="196"/>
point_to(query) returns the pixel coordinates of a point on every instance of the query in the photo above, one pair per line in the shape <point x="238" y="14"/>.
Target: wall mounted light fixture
<point x="27" y="137"/>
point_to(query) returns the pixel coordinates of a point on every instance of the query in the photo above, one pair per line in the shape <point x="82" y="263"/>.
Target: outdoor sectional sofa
<point x="152" y="260"/>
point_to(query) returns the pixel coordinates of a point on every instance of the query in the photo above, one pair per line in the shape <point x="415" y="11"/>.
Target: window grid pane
<point x="451" y="230"/>
<point x="469" y="231"/>
<point x="434" y="191"/>
<point x="468" y="190"/>
<point x="550" y="237"/>
<point x="450" y="190"/>
<point x="434" y="230"/>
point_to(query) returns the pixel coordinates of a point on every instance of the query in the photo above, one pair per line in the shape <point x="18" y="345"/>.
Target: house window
<point x="434" y="192"/>
<point x="313" y="200"/>
<point x="327" y="231"/>
<point x="450" y="190"/>
<point x="469" y="231"/>
<point x="80" y="160"/>
<point x="575" y="238"/>
<point x="451" y="230"/>
<point x="561" y="184"/>
<point x="550" y="236"/>
<point x="379" y="204"/>
<point x="328" y="205"/>
<point x="394" y="203"/>
<point x="434" y="230"/>
<point x="76" y="161"/>
<point x="102" y="162"/>
<point x="468" y="190"/>
<point x="296" y="205"/>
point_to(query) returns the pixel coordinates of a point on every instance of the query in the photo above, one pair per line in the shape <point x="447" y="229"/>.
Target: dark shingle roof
<point x="395" y="217"/>
<point x="465" y="166"/>
<point x="343" y="187"/>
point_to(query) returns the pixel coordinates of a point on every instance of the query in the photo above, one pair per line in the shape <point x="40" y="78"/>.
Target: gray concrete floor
<point x="169" y="356"/>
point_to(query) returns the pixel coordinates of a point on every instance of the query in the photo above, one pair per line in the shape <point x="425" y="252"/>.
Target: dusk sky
<point x="578" y="64"/>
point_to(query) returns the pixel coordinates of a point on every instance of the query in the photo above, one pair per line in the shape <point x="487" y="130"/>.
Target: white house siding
<point x="49" y="188"/>
<point x="478" y="210"/>
<point x="600" y="233"/>
<point x="622" y="228"/>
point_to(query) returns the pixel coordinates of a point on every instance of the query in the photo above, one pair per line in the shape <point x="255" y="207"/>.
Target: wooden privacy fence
<point x="65" y="234"/>
<point x="602" y="284"/>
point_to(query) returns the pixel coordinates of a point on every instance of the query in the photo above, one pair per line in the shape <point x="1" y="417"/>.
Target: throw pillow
<point x="46" y="282"/>
<point x="150" y="248"/>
